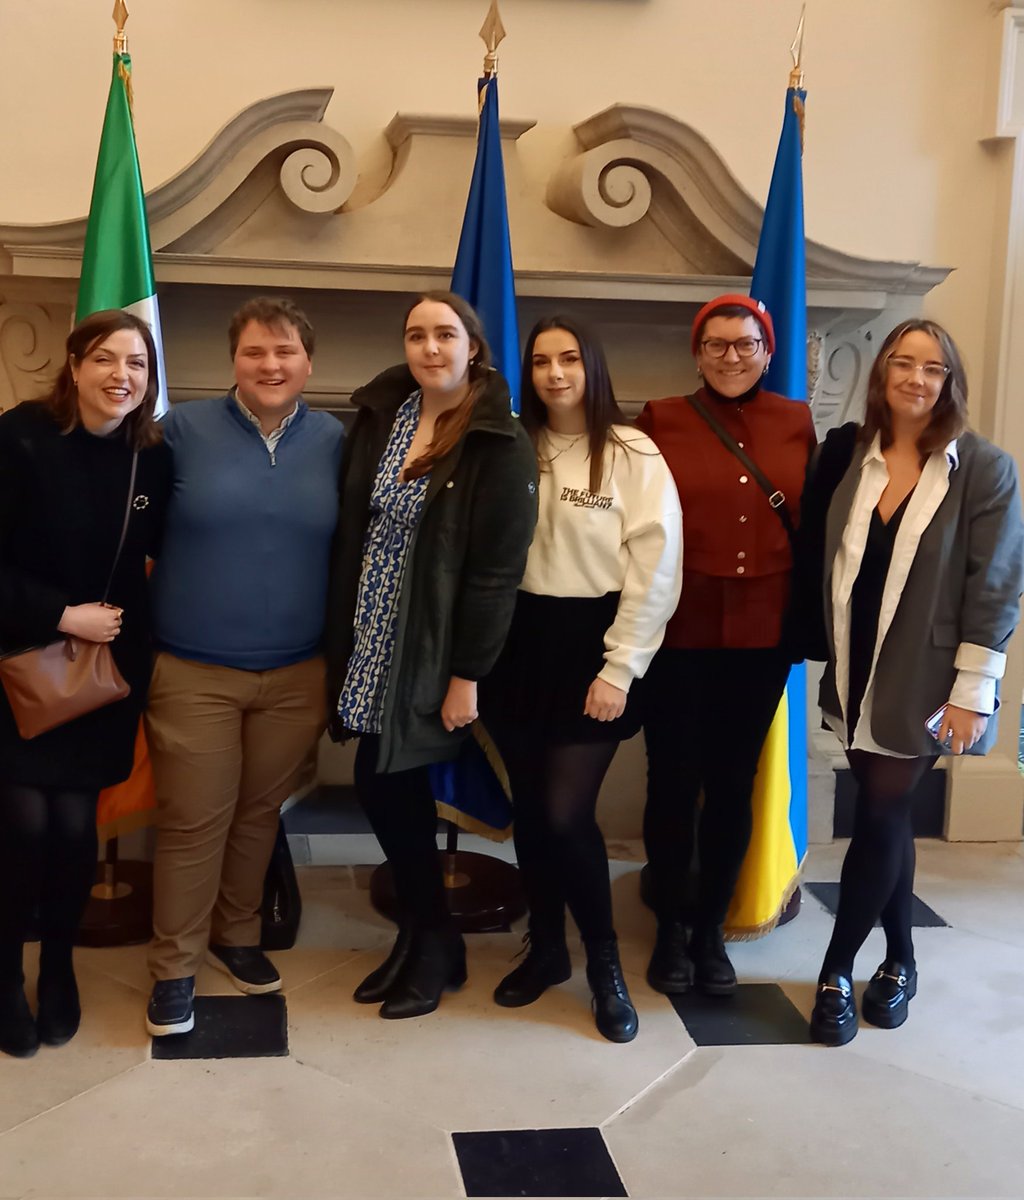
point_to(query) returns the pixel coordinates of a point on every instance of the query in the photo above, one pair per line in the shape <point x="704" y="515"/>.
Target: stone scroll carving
<point x="31" y="347"/>
<point x="636" y="161"/>
<point x="601" y="187"/>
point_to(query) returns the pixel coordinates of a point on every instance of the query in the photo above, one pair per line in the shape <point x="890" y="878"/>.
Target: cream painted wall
<point x="893" y="165"/>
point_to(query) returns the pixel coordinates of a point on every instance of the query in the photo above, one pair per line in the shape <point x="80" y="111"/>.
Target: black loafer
<point x="670" y="970"/>
<point x="834" y="1019"/>
<point x="887" y="996"/>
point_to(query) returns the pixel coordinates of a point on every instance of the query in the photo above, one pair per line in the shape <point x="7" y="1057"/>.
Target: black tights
<point x="47" y="865"/>
<point x="559" y="844"/>
<point x="878" y="872"/>
<point x="706" y="716"/>
<point x="402" y="814"/>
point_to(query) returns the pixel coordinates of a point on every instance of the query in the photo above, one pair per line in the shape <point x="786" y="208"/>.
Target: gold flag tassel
<point x="120" y="15"/>
<point x="796" y="76"/>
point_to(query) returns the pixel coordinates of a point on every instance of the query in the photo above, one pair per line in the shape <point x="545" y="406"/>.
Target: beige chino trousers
<point x="227" y="748"/>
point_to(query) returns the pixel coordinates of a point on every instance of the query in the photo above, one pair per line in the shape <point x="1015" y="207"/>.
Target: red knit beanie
<point x="755" y="307"/>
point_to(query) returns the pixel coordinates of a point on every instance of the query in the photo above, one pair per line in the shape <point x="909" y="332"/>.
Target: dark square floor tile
<point x="537" y="1162"/>
<point x="231" y="1027"/>
<point x="332" y="808"/>
<point x="921" y="915"/>
<point x="757" y="1014"/>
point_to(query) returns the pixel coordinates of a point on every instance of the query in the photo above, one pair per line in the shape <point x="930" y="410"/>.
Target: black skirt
<point x="554" y="651"/>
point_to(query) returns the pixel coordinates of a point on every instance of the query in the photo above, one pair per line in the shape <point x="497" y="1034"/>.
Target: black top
<point x="62" y="502"/>
<point x="866" y="603"/>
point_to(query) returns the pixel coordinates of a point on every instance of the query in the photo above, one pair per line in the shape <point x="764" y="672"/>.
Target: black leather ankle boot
<point x="546" y="963"/>
<point x="18" y="1034"/>
<point x="614" y="1013"/>
<point x="60" y="1012"/>
<point x="376" y="986"/>
<point x="436" y="963"/>
<point x="713" y="973"/>
<point x="670" y="970"/>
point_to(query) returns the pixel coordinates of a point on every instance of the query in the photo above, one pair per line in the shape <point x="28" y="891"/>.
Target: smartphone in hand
<point x="934" y="723"/>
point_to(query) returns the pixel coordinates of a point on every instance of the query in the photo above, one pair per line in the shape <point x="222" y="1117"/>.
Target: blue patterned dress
<point x="395" y="510"/>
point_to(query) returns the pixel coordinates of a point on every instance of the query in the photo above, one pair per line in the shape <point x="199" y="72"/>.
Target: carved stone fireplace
<point x="640" y="224"/>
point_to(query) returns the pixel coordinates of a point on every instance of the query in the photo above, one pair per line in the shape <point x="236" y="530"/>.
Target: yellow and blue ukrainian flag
<point x="470" y="792"/>
<point x="778" y="846"/>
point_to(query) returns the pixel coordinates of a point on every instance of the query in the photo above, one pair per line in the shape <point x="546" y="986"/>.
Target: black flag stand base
<point x="120" y="908"/>
<point x="485" y="895"/>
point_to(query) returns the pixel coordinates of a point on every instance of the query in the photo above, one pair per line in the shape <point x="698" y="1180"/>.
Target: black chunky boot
<point x="60" y="1011"/>
<point x="670" y="970"/>
<point x="436" y="963"/>
<point x="614" y="1013"/>
<point x="713" y="973"/>
<point x="546" y="964"/>
<point x="18" y="1034"/>
<point x="376" y="986"/>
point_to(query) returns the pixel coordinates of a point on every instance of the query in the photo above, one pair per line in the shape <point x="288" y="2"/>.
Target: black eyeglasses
<point x="745" y="347"/>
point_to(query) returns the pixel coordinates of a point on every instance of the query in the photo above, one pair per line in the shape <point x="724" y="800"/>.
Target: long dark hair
<point x="948" y="417"/>
<point x="600" y="408"/>
<point x="451" y="425"/>
<point x="140" y="425"/>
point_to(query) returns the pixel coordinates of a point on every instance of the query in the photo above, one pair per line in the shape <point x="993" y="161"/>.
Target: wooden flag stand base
<point x="120" y="908"/>
<point x="485" y="895"/>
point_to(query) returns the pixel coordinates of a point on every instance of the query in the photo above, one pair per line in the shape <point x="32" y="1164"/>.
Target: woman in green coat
<point x="438" y="505"/>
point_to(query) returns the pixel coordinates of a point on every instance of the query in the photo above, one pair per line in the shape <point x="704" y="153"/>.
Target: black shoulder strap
<point x="124" y="526"/>
<point x="776" y="498"/>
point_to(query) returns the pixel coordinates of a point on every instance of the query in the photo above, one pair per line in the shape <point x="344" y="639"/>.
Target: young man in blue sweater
<point x="237" y="700"/>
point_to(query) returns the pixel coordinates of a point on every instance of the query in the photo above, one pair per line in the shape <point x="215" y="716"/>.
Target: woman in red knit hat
<point x="738" y="454"/>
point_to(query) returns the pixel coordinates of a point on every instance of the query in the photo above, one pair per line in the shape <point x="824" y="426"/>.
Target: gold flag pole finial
<point x="120" y="15"/>
<point x="493" y="33"/>
<point x="796" y="50"/>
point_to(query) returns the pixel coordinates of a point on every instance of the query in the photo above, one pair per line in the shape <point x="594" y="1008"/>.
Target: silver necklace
<point x="573" y="439"/>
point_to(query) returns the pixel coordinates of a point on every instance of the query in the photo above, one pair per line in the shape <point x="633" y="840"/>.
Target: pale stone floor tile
<point x="974" y="887"/>
<point x="743" y="1121"/>
<point x="111" y="1040"/>
<point x="477" y="1066"/>
<point x="966" y="1024"/>
<point x="267" y="1128"/>
<point x="807" y="1121"/>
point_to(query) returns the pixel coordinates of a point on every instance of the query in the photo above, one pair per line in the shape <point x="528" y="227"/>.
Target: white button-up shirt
<point x="978" y="667"/>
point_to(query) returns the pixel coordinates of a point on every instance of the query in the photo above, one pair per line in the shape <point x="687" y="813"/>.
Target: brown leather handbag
<point x="49" y="685"/>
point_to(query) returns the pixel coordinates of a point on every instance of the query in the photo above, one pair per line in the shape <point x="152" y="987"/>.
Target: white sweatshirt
<point x="627" y="537"/>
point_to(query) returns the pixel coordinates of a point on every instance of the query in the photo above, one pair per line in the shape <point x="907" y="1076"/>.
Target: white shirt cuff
<point x="975" y="692"/>
<point x="980" y="660"/>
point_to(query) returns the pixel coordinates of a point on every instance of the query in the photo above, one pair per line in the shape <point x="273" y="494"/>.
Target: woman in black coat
<point x="438" y="505"/>
<point x="65" y="466"/>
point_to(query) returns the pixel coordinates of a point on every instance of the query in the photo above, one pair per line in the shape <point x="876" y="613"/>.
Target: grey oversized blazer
<point x="964" y="586"/>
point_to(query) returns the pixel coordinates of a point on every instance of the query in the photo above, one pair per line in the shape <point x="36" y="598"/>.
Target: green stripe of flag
<point x="117" y="262"/>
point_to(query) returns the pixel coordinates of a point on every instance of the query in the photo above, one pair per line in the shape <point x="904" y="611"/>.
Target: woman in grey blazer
<point x="912" y="540"/>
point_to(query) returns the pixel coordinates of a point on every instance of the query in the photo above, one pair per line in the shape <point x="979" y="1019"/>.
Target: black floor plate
<point x="231" y="1027"/>
<point x="921" y="916"/>
<point x="537" y="1162"/>
<point x="757" y="1014"/>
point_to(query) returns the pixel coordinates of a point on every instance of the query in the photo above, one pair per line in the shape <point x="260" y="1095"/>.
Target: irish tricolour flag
<point x="117" y="263"/>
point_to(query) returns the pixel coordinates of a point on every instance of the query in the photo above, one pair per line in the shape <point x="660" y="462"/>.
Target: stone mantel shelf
<point x="646" y="210"/>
